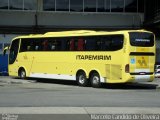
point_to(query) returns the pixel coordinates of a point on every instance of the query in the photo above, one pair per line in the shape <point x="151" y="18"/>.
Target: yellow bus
<point x="86" y="56"/>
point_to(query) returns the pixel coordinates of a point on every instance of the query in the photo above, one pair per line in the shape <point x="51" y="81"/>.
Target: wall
<point x="70" y="19"/>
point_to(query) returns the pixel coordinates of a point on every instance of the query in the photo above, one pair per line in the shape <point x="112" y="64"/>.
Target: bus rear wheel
<point x="82" y="79"/>
<point x="22" y="74"/>
<point x="95" y="80"/>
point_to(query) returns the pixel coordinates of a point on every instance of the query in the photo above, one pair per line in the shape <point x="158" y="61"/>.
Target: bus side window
<point x="25" y="44"/>
<point x="81" y="44"/>
<point x="53" y="45"/>
<point x="45" y="45"/>
<point x="107" y="46"/>
<point x="32" y="44"/>
<point x="63" y="45"/>
<point x="72" y="45"/>
<point x="102" y="44"/>
<point x="117" y="42"/>
<point x="98" y="45"/>
<point x="28" y="48"/>
<point x="36" y="47"/>
<point x="58" y="45"/>
<point x="90" y="44"/>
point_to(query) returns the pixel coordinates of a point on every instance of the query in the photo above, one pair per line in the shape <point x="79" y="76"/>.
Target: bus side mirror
<point x="5" y="50"/>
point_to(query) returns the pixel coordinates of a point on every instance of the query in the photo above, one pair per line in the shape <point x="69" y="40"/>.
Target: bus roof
<point x="70" y="32"/>
<point x="77" y="33"/>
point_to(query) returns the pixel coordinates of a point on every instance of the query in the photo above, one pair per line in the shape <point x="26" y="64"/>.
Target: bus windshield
<point x="141" y="39"/>
<point x="13" y="51"/>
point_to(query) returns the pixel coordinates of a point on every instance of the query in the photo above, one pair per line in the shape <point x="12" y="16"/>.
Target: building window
<point x="3" y="4"/>
<point x="103" y="6"/>
<point x="89" y="5"/>
<point x="141" y="6"/>
<point x="30" y="4"/>
<point x="49" y="5"/>
<point x="62" y="5"/>
<point x="16" y="4"/>
<point x="130" y="5"/>
<point x="117" y="5"/>
<point x="107" y="5"/>
<point x="76" y="5"/>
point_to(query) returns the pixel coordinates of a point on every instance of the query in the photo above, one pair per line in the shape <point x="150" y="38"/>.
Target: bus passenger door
<point x="26" y="55"/>
<point x="26" y="61"/>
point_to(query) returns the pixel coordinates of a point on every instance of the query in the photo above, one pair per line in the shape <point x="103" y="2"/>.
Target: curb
<point x="79" y="110"/>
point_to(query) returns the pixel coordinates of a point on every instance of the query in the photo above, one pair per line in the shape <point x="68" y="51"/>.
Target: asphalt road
<point x="50" y="93"/>
<point x="41" y="99"/>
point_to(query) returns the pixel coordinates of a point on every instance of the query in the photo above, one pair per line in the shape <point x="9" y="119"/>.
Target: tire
<point x="81" y="79"/>
<point x="95" y="80"/>
<point x="22" y="74"/>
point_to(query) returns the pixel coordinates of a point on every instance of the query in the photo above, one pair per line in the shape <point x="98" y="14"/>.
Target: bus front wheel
<point x="82" y="79"/>
<point x="22" y="74"/>
<point x="95" y="80"/>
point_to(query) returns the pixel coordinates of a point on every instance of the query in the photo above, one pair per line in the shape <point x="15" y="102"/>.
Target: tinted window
<point x="77" y="44"/>
<point x="104" y="43"/>
<point x="3" y="4"/>
<point x="54" y="45"/>
<point x="90" y="5"/>
<point x="62" y="5"/>
<point x="108" y="5"/>
<point x="30" y="4"/>
<point x="103" y="6"/>
<point x="25" y="45"/>
<point x="117" y="5"/>
<point x="76" y="5"/>
<point x="141" y="39"/>
<point x="94" y="43"/>
<point x="42" y="44"/>
<point x="131" y="6"/>
<point x="49" y="5"/>
<point x="31" y="45"/>
<point x="16" y="4"/>
<point x="142" y="3"/>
